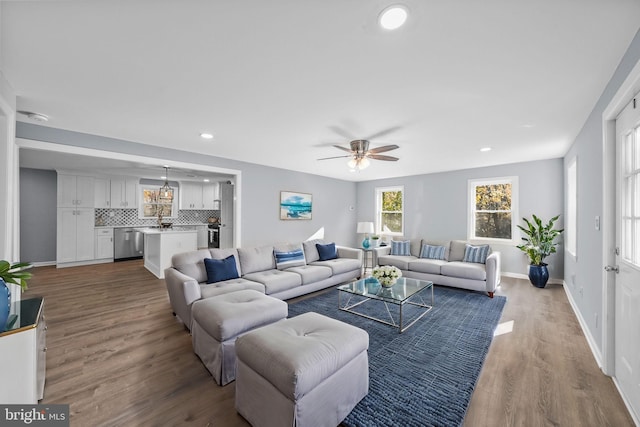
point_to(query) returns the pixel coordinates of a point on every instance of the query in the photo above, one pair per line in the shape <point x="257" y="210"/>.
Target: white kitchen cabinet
<point x="75" y="191"/>
<point x="102" y="193"/>
<point x="210" y="196"/>
<point x="104" y="243"/>
<point x="191" y="195"/>
<point x="75" y="235"/>
<point x="124" y="193"/>
<point x="199" y="196"/>
<point x="203" y="236"/>
<point x="23" y="354"/>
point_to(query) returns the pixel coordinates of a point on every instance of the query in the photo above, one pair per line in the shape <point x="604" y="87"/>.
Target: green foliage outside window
<point x="392" y="211"/>
<point x="493" y="211"/>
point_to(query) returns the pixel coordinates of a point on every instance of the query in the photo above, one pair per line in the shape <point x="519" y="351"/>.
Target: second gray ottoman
<point x="309" y="370"/>
<point x="218" y="321"/>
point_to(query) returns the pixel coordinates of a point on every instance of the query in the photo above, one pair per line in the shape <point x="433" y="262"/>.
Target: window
<point x="390" y="211"/>
<point x="153" y="203"/>
<point x="631" y="198"/>
<point x="572" y="212"/>
<point x="492" y="208"/>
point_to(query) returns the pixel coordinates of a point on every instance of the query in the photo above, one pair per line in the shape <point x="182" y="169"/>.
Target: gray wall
<point x="583" y="276"/>
<point x="261" y="186"/>
<point x="38" y="203"/>
<point x="436" y="205"/>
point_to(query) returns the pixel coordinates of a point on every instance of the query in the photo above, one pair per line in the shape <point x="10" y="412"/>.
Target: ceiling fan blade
<point x="383" y="149"/>
<point x="384" y="132"/>
<point x="381" y="157"/>
<point x="343" y="148"/>
<point x="336" y="157"/>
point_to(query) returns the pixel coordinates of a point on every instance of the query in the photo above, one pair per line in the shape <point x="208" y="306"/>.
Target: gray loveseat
<point x="257" y="269"/>
<point x="450" y="271"/>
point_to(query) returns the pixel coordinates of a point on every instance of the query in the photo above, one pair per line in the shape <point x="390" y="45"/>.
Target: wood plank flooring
<point x="118" y="357"/>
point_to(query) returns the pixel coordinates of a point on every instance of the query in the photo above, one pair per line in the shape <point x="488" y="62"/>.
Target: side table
<point x="367" y="254"/>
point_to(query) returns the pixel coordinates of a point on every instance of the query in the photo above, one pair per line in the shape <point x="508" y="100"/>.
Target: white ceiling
<point x="279" y="81"/>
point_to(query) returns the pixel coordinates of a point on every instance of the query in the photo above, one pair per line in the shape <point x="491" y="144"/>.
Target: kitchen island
<point x="160" y="244"/>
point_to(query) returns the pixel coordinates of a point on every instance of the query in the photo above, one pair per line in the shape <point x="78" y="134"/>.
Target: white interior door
<point x="627" y="287"/>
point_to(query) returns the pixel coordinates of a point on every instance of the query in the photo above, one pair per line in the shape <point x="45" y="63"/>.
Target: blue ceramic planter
<point x="5" y="304"/>
<point x="538" y="275"/>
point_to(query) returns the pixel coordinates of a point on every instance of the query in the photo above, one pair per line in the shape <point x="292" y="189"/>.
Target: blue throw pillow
<point x="221" y="269"/>
<point x="402" y="248"/>
<point x="286" y="259"/>
<point x="476" y="254"/>
<point x="432" y="252"/>
<point x="327" y="252"/>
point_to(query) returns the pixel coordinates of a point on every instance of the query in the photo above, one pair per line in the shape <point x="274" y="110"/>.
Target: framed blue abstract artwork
<point x="295" y="205"/>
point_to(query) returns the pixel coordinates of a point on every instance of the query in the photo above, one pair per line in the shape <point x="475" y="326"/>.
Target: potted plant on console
<point x="10" y="273"/>
<point x="539" y="243"/>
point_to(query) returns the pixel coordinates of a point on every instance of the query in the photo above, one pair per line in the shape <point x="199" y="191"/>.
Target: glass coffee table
<point x="406" y="292"/>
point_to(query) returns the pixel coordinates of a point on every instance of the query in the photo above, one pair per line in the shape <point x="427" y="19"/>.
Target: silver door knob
<point x="613" y="268"/>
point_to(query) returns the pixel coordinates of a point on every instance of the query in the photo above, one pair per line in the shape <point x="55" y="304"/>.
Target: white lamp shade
<point x="365" y="227"/>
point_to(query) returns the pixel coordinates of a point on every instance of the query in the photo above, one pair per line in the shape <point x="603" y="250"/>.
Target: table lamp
<point x="366" y="228"/>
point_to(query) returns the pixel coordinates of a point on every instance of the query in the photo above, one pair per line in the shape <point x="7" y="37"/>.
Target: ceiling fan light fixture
<point x="363" y="163"/>
<point x="393" y="17"/>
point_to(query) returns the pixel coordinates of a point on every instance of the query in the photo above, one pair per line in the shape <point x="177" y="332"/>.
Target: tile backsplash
<point x="116" y="217"/>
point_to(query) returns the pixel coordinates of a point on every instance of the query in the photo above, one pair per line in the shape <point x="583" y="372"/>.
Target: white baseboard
<point x="583" y="325"/>
<point x="43" y="263"/>
<point x="525" y="277"/>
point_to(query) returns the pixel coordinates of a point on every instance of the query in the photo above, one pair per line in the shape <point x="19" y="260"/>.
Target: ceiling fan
<point x="360" y="153"/>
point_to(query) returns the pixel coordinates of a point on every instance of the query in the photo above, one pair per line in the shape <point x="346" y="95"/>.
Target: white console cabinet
<point x="23" y="354"/>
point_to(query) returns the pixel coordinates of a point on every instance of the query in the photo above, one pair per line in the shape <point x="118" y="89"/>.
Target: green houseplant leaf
<point x="540" y="239"/>
<point x="15" y="273"/>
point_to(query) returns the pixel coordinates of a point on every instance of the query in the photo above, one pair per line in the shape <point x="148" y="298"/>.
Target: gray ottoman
<point x="218" y="321"/>
<point x="309" y="370"/>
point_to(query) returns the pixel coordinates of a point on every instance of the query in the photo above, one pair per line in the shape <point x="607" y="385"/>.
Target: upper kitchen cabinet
<point x="102" y="193"/>
<point x="211" y="196"/>
<point x="124" y="193"/>
<point x="198" y="196"/>
<point x="75" y="191"/>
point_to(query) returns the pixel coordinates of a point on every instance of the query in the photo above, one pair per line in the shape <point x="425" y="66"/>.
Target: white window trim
<point x="378" y="210"/>
<point x="515" y="217"/>
<point x="572" y="229"/>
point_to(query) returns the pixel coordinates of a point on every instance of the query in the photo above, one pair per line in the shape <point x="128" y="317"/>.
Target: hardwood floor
<point x="118" y="357"/>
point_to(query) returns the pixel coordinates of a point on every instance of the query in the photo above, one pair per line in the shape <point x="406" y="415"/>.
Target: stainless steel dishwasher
<point x="127" y="243"/>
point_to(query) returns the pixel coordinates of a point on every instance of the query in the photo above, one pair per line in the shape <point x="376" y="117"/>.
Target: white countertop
<point x="148" y="230"/>
<point x="198" y="224"/>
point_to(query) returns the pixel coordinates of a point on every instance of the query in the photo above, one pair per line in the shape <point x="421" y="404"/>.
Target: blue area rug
<point x="426" y="375"/>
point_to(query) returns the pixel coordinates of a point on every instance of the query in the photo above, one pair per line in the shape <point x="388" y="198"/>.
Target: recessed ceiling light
<point x="393" y="17"/>
<point x="205" y="135"/>
<point x="206" y="180"/>
<point x="485" y="149"/>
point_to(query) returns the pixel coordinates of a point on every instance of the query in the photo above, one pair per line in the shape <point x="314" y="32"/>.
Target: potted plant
<point x="375" y="240"/>
<point x="539" y="243"/>
<point x="10" y="273"/>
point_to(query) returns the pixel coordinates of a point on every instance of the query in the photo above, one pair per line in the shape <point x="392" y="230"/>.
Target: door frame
<point x="623" y="96"/>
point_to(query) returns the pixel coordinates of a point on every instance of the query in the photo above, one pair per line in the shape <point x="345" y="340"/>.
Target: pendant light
<point x="166" y="192"/>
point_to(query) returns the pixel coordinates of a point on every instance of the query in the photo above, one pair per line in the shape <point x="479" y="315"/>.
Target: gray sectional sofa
<point x="257" y="269"/>
<point x="453" y="270"/>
